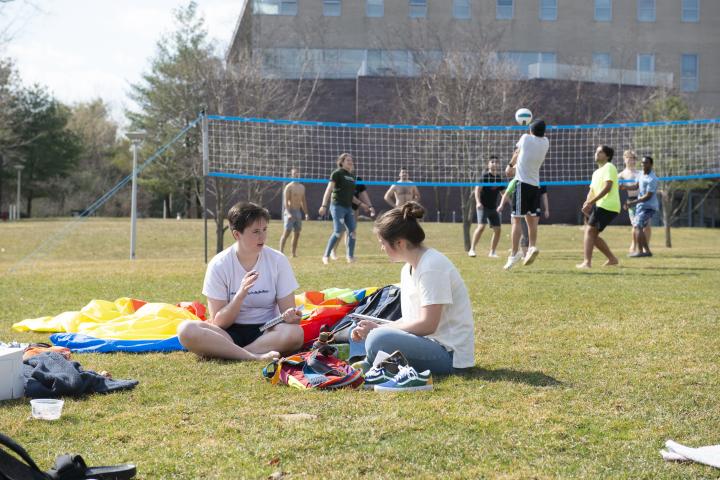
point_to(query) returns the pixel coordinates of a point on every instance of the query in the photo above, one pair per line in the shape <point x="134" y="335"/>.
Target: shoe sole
<point x="378" y="388"/>
<point x="532" y="258"/>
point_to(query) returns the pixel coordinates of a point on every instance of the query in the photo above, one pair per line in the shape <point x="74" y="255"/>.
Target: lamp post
<point x="136" y="138"/>
<point x="19" y="169"/>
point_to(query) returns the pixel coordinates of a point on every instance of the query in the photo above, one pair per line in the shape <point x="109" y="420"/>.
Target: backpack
<point x="384" y="303"/>
<point x="317" y="369"/>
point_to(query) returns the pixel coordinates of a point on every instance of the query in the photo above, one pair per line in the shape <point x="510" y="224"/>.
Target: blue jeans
<point x="421" y="352"/>
<point x="343" y="217"/>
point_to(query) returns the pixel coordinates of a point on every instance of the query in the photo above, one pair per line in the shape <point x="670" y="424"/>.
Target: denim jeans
<point x="421" y="352"/>
<point x="343" y="217"/>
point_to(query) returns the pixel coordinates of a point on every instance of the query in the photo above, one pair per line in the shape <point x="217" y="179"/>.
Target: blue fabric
<point x="648" y="183"/>
<point x="77" y="342"/>
<point x="642" y="217"/>
<point x="343" y="217"/>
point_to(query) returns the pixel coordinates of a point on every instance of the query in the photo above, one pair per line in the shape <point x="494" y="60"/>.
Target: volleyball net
<point x="266" y="149"/>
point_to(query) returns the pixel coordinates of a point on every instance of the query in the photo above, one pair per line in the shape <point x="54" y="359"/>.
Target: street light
<point x="136" y="138"/>
<point x="19" y="169"/>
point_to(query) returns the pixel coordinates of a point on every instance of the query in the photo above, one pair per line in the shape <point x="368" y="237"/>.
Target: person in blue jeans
<point x="646" y="204"/>
<point x="437" y="330"/>
<point x="339" y="197"/>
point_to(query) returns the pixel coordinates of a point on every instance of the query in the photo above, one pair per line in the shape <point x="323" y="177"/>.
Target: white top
<point x="437" y="281"/>
<point x="632" y="175"/>
<point x="275" y="280"/>
<point x="531" y="157"/>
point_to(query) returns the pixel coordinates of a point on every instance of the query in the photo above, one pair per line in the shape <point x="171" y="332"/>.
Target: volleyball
<point x="523" y="116"/>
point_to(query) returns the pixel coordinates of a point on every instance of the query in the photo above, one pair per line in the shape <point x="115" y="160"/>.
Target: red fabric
<point x="325" y="317"/>
<point x="137" y="304"/>
<point x="196" y="308"/>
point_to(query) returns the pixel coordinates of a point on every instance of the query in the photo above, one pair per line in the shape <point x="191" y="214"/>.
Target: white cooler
<point x="11" y="373"/>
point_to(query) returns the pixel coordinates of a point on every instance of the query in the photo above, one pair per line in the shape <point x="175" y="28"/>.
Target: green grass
<point x="579" y="374"/>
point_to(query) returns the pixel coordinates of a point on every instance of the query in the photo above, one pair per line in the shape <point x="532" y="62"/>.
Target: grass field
<point x="579" y="374"/>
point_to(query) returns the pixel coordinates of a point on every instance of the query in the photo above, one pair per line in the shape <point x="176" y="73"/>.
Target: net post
<point x="206" y="164"/>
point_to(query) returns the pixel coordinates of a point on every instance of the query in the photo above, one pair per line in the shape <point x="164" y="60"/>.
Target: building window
<point x="689" y="73"/>
<point x="603" y="10"/>
<point x="645" y="68"/>
<point x="504" y="9"/>
<point x="461" y="9"/>
<point x="646" y="10"/>
<point x="275" y="7"/>
<point x="418" y="8"/>
<point x="375" y="8"/>
<point x="332" y="8"/>
<point x="601" y="63"/>
<point x="548" y="10"/>
<point x="531" y="64"/>
<point x="690" y="10"/>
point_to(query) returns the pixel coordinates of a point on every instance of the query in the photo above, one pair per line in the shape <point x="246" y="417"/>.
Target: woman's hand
<point x="322" y="211"/>
<point x="248" y="281"/>
<point x="291" y="315"/>
<point x="360" y="332"/>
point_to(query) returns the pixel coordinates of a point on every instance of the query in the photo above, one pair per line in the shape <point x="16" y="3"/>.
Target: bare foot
<point x="269" y="356"/>
<point x="583" y="266"/>
<point x="611" y="263"/>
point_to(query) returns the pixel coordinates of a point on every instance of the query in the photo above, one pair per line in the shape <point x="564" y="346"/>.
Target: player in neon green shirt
<point x="601" y="206"/>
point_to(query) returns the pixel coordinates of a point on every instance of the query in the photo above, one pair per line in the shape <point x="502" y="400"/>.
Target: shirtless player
<point x="399" y="194"/>
<point x="295" y="207"/>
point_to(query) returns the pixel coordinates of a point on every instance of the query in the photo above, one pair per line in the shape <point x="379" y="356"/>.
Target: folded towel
<point x="709" y="455"/>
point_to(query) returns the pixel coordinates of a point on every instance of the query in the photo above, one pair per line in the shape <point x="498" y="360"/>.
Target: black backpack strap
<point x="11" y="445"/>
<point x="68" y="467"/>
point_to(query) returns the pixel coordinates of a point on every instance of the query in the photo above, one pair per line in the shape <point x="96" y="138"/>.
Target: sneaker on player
<point x="384" y="368"/>
<point x="325" y="260"/>
<point x="471" y="253"/>
<point x="332" y="255"/>
<point x="407" y="380"/>
<point x="512" y="260"/>
<point x="350" y="259"/>
<point x="531" y="255"/>
<point x="493" y="255"/>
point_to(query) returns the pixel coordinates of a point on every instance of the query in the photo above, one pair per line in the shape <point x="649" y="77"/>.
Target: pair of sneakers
<point x="391" y="373"/>
<point x="529" y="258"/>
<point x="492" y="254"/>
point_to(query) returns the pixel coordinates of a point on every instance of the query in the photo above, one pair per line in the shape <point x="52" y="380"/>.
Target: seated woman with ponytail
<point x="436" y="331"/>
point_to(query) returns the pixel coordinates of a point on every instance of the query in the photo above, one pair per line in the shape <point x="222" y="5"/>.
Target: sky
<point x="85" y="49"/>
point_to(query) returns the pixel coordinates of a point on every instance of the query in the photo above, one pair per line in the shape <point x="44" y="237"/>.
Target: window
<point x="531" y="64"/>
<point x="689" y="72"/>
<point x="418" y="8"/>
<point x="601" y="63"/>
<point x="275" y="7"/>
<point x="332" y="8"/>
<point x="461" y="9"/>
<point x="603" y="10"/>
<point x="646" y="68"/>
<point x="375" y="8"/>
<point x="690" y="10"/>
<point x="504" y="9"/>
<point x="548" y="10"/>
<point x="646" y="10"/>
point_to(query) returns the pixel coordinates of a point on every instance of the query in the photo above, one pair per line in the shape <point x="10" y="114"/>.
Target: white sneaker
<point x="493" y="255"/>
<point x="350" y="259"/>
<point x="471" y="253"/>
<point x="325" y="260"/>
<point x="531" y="255"/>
<point x="332" y="255"/>
<point x="512" y="260"/>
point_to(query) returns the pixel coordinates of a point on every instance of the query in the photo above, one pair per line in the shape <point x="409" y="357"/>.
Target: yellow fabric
<point x="611" y="201"/>
<point x="116" y="320"/>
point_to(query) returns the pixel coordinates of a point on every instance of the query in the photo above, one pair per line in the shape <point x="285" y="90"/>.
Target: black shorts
<point x="488" y="215"/>
<point x="600" y="218"/>
<point x="244" y="335"/>
<point x="526" y="200"/>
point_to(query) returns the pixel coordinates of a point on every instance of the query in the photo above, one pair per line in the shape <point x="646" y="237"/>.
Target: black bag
<point x="384" y="303"/>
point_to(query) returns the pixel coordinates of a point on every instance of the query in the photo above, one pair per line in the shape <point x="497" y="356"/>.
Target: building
<point x="673" y="43"/>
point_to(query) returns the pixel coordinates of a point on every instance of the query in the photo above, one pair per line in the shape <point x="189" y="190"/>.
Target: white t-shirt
<point x="275" y="280"/>
<point x="531" y="157"/>
<point x="437" y="281"/>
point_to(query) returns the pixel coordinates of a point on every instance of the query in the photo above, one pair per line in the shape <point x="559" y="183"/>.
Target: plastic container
<point x="46" y="408"/>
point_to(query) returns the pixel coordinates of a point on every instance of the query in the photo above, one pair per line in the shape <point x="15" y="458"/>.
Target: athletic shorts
<point x="643" y="217"/>
<point x="293" y="220"/>
<point x="244" y="335"/>
<point x="526" y="200"/>
<point x="600" y="218"/>
<point x="488" y="215"/>
<point x="631" y="211"/>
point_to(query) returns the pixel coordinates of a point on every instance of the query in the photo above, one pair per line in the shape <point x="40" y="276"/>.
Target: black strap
<point x="68" y="467"/>
<point x="12" y="445"/>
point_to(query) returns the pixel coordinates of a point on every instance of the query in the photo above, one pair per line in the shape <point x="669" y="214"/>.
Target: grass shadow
<point x="536" y="379"/>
